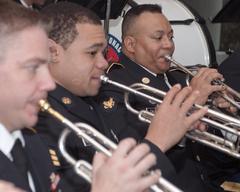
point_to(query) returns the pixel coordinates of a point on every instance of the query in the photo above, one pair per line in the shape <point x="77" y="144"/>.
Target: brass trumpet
<point x="221" y="121"/>
<point x="228" y="89"/>
<point x="99" y="142"/>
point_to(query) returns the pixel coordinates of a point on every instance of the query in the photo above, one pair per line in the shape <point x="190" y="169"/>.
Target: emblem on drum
<point x="114" y="49"/>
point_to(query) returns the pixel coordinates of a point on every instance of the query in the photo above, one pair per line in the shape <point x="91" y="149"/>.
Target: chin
<point x="164" y="68"/>
<point x="93" y="93"/>
<point x="31" y="121"/>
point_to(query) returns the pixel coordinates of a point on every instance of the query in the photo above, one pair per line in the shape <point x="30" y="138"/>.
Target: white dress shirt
<point x="7" y="141"/>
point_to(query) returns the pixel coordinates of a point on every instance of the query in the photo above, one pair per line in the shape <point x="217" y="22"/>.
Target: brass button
<point x="145" y="80"/>
<point x="66" y="100"/>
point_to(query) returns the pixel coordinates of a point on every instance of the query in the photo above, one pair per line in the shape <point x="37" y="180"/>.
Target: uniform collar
<point x="8" y="140"/>
<point x="138" y="69"/>
<point x="142" y="75"/>
<point x="71" y="101"/>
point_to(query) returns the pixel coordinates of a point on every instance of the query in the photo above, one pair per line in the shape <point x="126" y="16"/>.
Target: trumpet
<point x="99" y="142"/>
<point x="228" y="89"/>
<point x="230" y="125"/>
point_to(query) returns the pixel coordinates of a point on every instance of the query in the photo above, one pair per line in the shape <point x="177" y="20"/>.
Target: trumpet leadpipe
<point x="131" y="89"/>
<point x="79" y="132"/>
<point x="219" y="122"/>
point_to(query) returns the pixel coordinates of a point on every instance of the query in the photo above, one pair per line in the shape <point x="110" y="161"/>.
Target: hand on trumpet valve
<point x="126" y="168"/>
<point x="172" y="118"/>
<point x="224" y="104"/>
<point x="202" y="82"/>
<point x="200" y="126"/>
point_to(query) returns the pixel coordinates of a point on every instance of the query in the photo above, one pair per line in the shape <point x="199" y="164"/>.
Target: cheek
<point x="153" y="50"/>
<point x="78" y="74"/>
<point x="11" y="89"/>
<point x="17" y="89"/>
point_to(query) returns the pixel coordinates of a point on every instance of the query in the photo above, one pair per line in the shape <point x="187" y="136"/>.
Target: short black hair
<point x="64" y="16"/>
<point x="135" y="12"/>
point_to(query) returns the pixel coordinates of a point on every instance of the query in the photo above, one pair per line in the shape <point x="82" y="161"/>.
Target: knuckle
<point x="144" y="147"/>
<point x="128" y="141"/>
<point x="153" y="158"/>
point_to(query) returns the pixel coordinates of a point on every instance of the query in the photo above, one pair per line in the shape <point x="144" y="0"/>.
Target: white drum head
<point x="191" y="45"/>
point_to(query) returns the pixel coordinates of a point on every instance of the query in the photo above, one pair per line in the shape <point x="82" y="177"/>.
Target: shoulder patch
<point x="114" y="66"/>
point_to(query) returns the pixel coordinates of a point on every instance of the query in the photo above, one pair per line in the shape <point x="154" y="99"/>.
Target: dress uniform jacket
<point x="44" y="174"/>
<point x="79" y="109"/>
<point x="187" y="160"/>
<point x="230" y="68"/>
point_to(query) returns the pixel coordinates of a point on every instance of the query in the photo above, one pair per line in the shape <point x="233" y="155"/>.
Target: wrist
<point x="158" y="142"/>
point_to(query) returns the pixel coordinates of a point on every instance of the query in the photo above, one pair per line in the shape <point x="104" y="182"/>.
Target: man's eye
<point x="158" y="38"/>
<point x="32" y="68"/>
<point x="93" y="53"/>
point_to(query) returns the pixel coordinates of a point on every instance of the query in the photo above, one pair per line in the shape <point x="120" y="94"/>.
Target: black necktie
<point x="162" y="83"/>
<point x="20" y="159"/>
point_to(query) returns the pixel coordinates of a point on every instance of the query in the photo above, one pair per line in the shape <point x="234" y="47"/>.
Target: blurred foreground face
<point x="24" y="77"/>
<point x="82" y="63"/>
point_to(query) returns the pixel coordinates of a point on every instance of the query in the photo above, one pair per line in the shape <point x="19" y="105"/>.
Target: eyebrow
<point x="161" y="31"/>
<point x="36" y="60"/>
<point x="96" y="46"/>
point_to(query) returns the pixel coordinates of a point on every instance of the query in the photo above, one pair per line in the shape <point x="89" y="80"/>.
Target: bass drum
<point x="193" y="43"/>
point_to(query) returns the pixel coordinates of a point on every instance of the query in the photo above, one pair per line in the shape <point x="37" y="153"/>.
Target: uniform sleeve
<point x="230" y="68"/>
<point x="49" y="131"/>
<point x="124" y="124"/>
<point x="163" y="163"/>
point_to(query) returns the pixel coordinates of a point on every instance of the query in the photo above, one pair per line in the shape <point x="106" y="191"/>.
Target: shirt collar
<point x="8" y="139"/>
<point x="154" y="74"/>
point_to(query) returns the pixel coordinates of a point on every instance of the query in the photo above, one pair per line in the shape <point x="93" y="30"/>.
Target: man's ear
<point x="54" y="49"/>
<point x="129" y="43"/>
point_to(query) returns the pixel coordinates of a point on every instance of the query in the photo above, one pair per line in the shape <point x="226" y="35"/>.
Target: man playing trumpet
<point x="77" y="43"/>
<point x="24" y="80"/>
<point x="147" y="37"/>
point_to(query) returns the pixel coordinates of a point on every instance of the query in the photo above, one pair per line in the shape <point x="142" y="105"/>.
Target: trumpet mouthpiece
<point x="168" y="57"/>
<point x="44" y="105"/>
<point x="104" y="78"/>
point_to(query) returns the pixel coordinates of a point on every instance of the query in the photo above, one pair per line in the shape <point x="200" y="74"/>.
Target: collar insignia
<point x="109" y="104"/>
